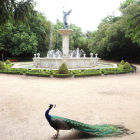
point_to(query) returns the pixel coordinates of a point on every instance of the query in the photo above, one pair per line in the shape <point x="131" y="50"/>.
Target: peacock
<point x="60" y="123"/>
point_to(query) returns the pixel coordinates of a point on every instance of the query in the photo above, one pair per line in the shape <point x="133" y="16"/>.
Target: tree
<point x="41" y="28"/>
<point x="2" y="48"/>
<point x="18" y="11"/>
<point x="19" y="40"/>
<point x="111" y="41"/>
<point x="126" y="3"/>
<point x="15" y="12"/>
<point x="133" y="21"/>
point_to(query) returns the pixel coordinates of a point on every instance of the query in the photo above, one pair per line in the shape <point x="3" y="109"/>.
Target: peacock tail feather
<point x="98" y="130"/>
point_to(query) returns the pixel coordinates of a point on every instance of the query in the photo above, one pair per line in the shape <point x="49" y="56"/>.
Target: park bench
<point x="13" y="60"/>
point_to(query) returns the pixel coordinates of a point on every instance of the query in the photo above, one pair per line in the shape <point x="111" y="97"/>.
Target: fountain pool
<point x="31" y="65"/>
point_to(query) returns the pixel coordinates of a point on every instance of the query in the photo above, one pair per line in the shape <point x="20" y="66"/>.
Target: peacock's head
<point x="51" y="106"/>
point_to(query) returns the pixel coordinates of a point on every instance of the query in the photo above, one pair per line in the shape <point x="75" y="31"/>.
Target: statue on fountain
<point x="65" y="14"/>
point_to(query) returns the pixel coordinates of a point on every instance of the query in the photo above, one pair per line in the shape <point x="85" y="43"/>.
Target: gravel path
<point x="112" y="99"/>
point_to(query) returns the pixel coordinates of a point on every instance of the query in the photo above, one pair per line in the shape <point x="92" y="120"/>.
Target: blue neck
<point x="48" y="117"/>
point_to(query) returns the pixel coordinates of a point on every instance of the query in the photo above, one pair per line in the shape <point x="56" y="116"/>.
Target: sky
<point x="86" y="14"/>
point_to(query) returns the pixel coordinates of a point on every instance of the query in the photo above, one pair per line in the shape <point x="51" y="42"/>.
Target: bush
<point x="52" y="71"/>
<point x="49" y="72"/>
<point x="8" y="65"/>
<point x="37" y="72"/>
<point x="8" y="62"/>
<point x="63" y="69"/>
<point x="105" y="73"/>
<point x="122" y="62"/>
<point x="21" y="73"/>
<point x="88" y="74"/>
<point x="126" y="66"/>
<point x="69" y="74"/>
<point x="44" y="75"/>
<point x="76" y="71"/>
<point x="1" y="65"/>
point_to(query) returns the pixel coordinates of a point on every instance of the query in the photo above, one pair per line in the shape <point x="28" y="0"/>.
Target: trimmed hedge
<point x="126" y="66"/>
<point x="8" y="62"/>
<point x="119" y="70"/>
<point x="105" y="73"/>
<point x="63" y="69"/>
<point x="13" y="71"/>
<point x="76" y="71"/>
<point x="57" y="74"/>
<point x="37" y="72"/>
<point x="92" y="71"/>
<point x="83" y="74"/>
<point x="122" y="62"/>
<point x="8" y="65"/>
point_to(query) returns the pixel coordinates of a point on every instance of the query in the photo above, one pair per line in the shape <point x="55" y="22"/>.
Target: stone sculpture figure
<point x="65" y="14"/>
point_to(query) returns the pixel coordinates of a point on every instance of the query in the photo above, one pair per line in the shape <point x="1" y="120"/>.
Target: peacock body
<point x="60" y="123"/>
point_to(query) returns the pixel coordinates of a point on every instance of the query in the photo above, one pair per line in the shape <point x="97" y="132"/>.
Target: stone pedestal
<point x="65" y="34"/>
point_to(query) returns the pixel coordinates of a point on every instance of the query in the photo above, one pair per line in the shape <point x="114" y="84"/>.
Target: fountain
<point x="72" y="59"/>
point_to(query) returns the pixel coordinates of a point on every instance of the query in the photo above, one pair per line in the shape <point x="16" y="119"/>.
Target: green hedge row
<point x="76" y="71"/>
<point x="88" y="74"/>
<point x="119" y="70"/>
<point x="37" y="72"/>
<point x="56" y="74"/>
<point x="8" y="65"/>
<point x="9" y="72"/>
<point x="91" y="70"/>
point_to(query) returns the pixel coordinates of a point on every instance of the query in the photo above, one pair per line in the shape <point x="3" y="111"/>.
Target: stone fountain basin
<point x="83" y="62"/>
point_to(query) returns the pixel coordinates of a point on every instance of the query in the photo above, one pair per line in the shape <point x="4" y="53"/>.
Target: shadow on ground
<point x="77" y="135"/>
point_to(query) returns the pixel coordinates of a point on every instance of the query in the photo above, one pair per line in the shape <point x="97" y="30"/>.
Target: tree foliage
<point x="18" y="12"/>
<point x="113" y="40"/>
<point x="28" y="31"/>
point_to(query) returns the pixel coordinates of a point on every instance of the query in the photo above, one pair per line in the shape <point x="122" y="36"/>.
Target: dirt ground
<point x="112" y="99"/>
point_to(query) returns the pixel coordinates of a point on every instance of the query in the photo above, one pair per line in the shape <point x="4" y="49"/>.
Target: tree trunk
<point x="2" y="55"/>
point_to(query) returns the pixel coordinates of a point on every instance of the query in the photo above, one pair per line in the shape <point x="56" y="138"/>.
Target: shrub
<point x="44" y="75"/>
<point x="8" y="65"/>
<point x="76" y="71"/>
<point x="21" y="73"/>
<point x="52" y="71"/>
<point x="48" y="72"/>
<point x="69" y="74"/>
<point x="126" y="66"/>
<point x="8" y="62"/>
<point x="1" y="65"/>
<point x="122" y="62"/>
<point x="105" y="73"/>
<point x="91" y="71"/>
<point x="88" y="74"/>
<point x="63" y="69"/>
